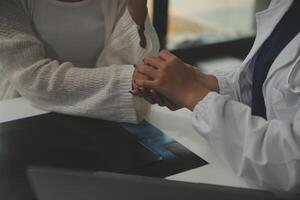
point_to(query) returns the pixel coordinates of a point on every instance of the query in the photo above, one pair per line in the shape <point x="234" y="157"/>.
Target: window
<point x="201" y="22"/>
<point x="200" y="29"/>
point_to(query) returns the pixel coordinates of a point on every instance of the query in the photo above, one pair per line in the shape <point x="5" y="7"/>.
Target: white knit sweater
<point x="101" y="92"/>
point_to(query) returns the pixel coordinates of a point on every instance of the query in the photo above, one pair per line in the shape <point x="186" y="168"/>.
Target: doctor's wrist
<point x="208" y="81"/>
<point x="194" y="96"/>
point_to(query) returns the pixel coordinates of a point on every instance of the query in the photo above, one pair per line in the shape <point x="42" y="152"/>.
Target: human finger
<point x="147" y="96"/>
<point x="135" y="92"/>
<point x="149" y="84"/>
<point x="158" y="98"/>
<point x="146" y="70"/>
<point x="154" y="62"/>
<point x="166" y="55"/>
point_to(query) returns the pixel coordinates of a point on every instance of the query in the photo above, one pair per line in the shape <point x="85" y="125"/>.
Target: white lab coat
<point x="265" y="152"/>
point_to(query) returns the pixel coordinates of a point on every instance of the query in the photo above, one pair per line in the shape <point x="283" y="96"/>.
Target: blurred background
<point x="211" y="34"/>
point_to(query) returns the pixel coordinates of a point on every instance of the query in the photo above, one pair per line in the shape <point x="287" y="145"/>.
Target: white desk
<point x="177" y="124"/>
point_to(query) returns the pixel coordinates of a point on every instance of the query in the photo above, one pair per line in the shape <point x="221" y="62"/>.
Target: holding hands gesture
<point x="174" y="80"/>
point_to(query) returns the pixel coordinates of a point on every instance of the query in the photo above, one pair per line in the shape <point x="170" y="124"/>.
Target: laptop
<point x="54" y="184"/>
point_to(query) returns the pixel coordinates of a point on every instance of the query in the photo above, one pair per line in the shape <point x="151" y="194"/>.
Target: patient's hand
<point x="140" y="91"/>
<point x="172" y="78"/>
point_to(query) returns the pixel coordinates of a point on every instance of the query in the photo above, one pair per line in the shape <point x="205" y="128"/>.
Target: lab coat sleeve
<point x="228" y="83"/>
<point x="262" y="152"/>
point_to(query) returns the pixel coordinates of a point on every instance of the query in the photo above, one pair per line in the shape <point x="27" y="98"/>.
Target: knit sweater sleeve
<point x="123" y="44"/>
<point x="124" y="41"/>
<point x="60" y="87"/>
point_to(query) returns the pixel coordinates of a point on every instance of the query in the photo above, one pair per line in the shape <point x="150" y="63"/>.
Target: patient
<point x="75" y="56"/>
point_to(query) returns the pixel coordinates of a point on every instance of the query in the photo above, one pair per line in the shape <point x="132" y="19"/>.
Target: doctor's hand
<point x="174" y="79"/>
<point x="151" y="96"/>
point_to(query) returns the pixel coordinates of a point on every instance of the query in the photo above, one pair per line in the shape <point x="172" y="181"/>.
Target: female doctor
<point x="75" y="56"/>
<point x="250" y="117"/>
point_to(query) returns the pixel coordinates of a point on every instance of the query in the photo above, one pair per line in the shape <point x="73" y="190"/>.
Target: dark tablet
<point x="74" y="143"/>
<point x="49" y="184"/>
<point x="78" y="143"/>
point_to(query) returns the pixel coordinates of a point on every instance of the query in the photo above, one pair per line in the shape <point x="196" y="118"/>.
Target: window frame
<point x="237" y="48"/>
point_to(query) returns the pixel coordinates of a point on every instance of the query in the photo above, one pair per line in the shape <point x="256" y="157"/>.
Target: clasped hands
<point x="168" y="81"/>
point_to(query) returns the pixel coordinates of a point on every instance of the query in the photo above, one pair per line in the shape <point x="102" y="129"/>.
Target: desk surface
<point x="177" y="125"/>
